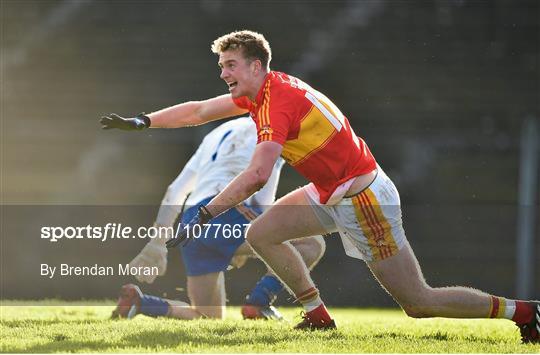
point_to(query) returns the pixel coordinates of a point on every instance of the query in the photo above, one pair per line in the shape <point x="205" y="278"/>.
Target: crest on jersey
<point x="266" y="129"/>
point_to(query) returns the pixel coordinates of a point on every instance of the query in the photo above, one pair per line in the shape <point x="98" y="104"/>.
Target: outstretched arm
<point x="194" y="113"/>
<point x="190" y="113"/>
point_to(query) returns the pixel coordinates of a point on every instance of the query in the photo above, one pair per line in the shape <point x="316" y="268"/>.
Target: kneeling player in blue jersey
<point x="223" y="154"/>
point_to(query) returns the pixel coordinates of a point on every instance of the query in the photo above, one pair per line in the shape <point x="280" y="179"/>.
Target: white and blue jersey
<point x="223" y="154"/>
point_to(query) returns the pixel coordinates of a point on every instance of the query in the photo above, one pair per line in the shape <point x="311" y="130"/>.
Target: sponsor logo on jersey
<point x="266" y="129"/>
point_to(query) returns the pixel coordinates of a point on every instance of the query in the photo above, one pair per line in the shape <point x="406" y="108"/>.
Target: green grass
<point x="60" y="328"/>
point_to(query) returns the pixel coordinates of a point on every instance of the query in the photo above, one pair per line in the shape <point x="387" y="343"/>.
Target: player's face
<point x="239" y="74"/>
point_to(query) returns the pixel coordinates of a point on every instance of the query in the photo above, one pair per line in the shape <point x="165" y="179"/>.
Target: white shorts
<point x="369" y="222"/>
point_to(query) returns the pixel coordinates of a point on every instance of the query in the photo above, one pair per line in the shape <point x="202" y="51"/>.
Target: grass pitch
<point x="57" y="327"/>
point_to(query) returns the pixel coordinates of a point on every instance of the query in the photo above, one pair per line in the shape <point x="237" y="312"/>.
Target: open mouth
<point x="232" y="85"/>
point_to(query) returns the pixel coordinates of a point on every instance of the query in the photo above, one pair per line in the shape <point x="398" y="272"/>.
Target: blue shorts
<point x="214" y="253"/>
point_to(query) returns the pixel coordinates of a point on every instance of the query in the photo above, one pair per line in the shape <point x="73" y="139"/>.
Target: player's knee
<point x="420" y="307"/>
<point x="416" y="311"/>
<point x="418" y="304"/>
<point x="253" y="238"/>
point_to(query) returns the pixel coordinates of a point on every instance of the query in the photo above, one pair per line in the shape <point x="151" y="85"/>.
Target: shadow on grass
<point x="179" y="339"/>
<point x="223" y="337"/>
<point x="61" y="344"/>
<point x="439" y="336"/>
<point x="182" y="337"/>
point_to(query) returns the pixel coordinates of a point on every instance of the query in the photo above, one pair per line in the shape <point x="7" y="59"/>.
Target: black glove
<point x="185" y="232"/>
<point x="112" y="120"/>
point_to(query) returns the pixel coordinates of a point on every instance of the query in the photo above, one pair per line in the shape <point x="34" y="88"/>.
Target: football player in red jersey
<point x="349" y="193"/>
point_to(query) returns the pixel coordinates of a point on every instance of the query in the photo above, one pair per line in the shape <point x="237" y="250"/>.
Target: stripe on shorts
<point x="374" y="225"/>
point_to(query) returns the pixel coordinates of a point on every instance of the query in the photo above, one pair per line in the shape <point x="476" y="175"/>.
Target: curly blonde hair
<point x="253" y="45"/>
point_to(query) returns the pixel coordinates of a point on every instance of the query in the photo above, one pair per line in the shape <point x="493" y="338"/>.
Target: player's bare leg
<point x="259" y="301"/>
<point x="207" y="297"/>
<point x="182" y="310"/>
<point x="311" y="249"/>
<point x="289" y="218"/>
<point x="207" y="294"/>
<point x="402" y="277"/>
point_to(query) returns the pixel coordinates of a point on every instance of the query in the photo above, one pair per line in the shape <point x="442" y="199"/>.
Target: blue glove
<point x="184" y="231"/>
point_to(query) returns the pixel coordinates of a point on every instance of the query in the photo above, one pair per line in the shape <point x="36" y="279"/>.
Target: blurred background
<point x="445" y="92"/>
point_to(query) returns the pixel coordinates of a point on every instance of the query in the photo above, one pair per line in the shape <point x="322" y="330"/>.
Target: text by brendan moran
<point x="51" y="271"/>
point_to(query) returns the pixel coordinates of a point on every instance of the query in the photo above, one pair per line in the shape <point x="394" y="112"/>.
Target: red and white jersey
<point x="317" y="138"/>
